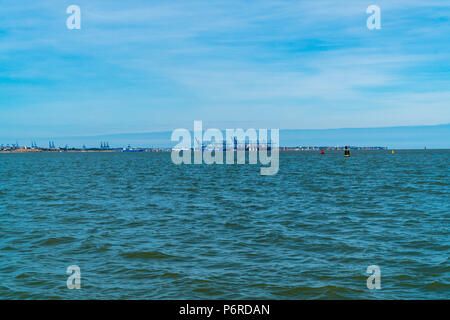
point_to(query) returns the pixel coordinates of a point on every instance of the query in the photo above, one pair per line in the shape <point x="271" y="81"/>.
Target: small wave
<point x="437" y="286"/>
<point x="171" y="275"/>
<point x="146" y="255"/>
<point x="56" y="241"/>
<point x="329" y="291"/>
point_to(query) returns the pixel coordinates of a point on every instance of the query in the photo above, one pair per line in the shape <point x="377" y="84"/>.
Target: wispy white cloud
<point x="151" y="65"/>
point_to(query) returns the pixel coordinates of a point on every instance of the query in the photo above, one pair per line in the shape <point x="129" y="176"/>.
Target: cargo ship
<point x="130" y="149"/>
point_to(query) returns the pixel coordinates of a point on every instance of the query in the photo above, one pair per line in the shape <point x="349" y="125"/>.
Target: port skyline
<point x="15" y="148"/>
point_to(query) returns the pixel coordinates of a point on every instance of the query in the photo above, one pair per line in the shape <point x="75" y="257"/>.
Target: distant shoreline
<point x="75" y="150"/>
<point x="111" y="150"/>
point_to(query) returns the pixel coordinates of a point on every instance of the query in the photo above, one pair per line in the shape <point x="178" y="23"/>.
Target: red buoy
<point x="322" y="152"/>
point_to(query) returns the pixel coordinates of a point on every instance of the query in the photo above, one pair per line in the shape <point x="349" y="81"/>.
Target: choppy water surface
<point x="140" y="227"/>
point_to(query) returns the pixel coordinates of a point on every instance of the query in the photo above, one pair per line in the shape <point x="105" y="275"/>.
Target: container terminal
<point x="104" y="147"/>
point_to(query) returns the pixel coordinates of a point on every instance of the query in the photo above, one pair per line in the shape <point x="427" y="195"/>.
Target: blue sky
<point x="142" y="66"/>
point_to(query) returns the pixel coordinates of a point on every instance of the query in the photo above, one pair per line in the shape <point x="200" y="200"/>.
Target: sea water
<point x="140" y="227"/>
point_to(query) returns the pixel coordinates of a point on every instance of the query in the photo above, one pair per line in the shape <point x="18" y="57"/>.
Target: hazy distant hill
<point x="393" y="137"/>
